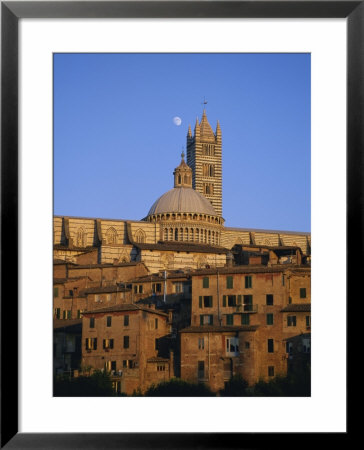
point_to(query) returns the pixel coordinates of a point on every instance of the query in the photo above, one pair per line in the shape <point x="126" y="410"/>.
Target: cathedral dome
<point x="182" y="199"/>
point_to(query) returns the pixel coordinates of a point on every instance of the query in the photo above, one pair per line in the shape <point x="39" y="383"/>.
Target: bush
<point x="97" y="385"/>
<point x="236" y="387"/>
<point x="178" y="388"/>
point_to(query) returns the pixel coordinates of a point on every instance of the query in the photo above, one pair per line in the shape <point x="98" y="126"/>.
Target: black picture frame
<point x="11" y="12"/>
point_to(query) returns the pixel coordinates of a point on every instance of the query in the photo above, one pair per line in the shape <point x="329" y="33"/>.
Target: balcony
<point x="247" y="308"/>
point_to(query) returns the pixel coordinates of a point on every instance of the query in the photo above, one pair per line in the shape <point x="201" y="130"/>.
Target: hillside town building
<point x="178" y="293"/>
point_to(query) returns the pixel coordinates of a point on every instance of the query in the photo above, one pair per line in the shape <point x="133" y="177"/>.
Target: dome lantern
<point x="182" y="174"/>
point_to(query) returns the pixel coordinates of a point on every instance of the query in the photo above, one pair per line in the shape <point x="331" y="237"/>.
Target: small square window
<point x="229" y="319"/>
<point x="248" y="282"/>
<point x="245" y="319"/>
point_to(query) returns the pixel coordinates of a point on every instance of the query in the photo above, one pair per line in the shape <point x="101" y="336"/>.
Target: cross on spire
<point x="204" y="102"/>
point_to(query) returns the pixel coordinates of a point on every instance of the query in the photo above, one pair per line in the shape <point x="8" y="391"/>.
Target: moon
<point x="177" y="121"/>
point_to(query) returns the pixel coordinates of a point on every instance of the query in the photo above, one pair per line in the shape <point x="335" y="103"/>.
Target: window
<point x="248" y="282"/>
<point x="91" y="343"/>
<point x="57" y="313"/>
<point x="156" y="288"/>
<point x="108" y="321"/>
<point x="178" y="287"/>
<point x="67" y="314"/>
<point x="229" y="283"/>
<point x="302" y="292"/>
<point x="55" y="292"/>
<point x="201" y="369"/>
<point x="247" y="344"/>
<point x="108" y="343"/>
<point x="271" y="371"/>
<point x="92" y="322"/>
<point x="140" y="290"/>
<point x="135" y="289"/>
<point x="70" y="292"/>
<point x="291" y="321"/>
<point x="229" y="299"/>
<point x="306" y="345"/>
<point x="205" y="301"/>
<point x="156" y="324"/>
<point x="161" y="368"/>
<point x="269" y="319"/>
<point x="126" y="321"/>
<point x="205" y="282"/>
<point x="232" y="346"/>
<point x="229" y="319"/>
<point x="201" y="343"/>
<point x="308" y="321"/>
<point x="206" y="319"/>
<point x="125" y="363"/>
<point x="245" y="319"/>
<point x="126" y="341"/>
<point x="248" y="303"/>
<point x="270" y="345"/>
<point x="269" y="299"/>
<point x="79" y="313"/>
<point x="113" y="365"/>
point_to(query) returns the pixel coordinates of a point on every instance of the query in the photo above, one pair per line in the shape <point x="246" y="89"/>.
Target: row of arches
<point x="191" y="235"/>
<point x="186" y="216"/>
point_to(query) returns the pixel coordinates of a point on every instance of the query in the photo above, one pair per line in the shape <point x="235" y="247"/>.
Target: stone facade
<point x="128" y="341"/>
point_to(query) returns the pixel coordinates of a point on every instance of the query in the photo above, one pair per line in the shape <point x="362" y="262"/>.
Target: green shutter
<point x="200" y="301"/>
<point x="201" y="320"/>
<point x="224" y="300"/>
<point x="239" y="299"/>
<point x="210" y="301"/>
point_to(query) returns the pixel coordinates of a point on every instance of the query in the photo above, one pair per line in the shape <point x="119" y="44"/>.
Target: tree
<point x="236" y="387"/>
<point x="178" y="388"/>
<point x="98" y="384"/>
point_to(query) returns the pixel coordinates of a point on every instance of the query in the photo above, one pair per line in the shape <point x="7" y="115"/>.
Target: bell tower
<point x="205" y="158"/>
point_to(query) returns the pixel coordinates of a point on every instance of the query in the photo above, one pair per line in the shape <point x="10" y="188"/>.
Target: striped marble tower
<point x="204" y="157"/>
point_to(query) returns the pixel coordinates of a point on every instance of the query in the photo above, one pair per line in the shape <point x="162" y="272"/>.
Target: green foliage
<point x="236" y="387"/>
<point x="295" y="384"/>
<point x="97" y="385"/>
<point x="179" y="388"/>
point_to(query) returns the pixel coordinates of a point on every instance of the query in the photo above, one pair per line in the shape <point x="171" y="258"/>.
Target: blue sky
<point x="116" y="146"/>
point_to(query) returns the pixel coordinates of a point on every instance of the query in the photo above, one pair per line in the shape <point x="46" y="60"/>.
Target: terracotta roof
<point x="157" y="359"/>
<point x="159" y="278"/>
<point x="124" y="307"/>
<point x="98" y="290"/>
<point x="295" y="307"/>
<point x="107" y="265"/>
<point x="251" y="269"/>
<point x="59" y="323"/>
<point x="59" y="280"/>
<point x="182" y="247"/>
<point x="218" y="329"/>
<point x="77" y="249"/>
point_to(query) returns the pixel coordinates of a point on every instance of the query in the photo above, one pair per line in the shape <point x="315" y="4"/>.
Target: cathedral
<point x="184" y="228"/>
